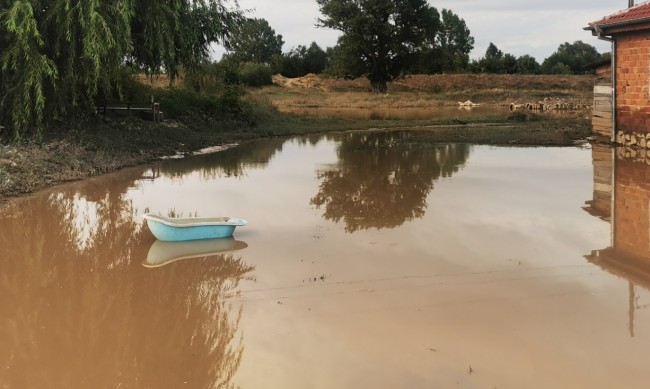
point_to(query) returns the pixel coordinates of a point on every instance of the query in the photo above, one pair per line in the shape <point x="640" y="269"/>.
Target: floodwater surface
<point x="365" y="264"/>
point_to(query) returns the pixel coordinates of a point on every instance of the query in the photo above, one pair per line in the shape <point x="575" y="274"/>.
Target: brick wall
<point x="633" y="79"/>
<point x="632" y="213"/>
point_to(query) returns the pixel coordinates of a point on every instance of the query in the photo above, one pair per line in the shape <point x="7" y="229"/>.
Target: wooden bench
<point x="151" y="112"/>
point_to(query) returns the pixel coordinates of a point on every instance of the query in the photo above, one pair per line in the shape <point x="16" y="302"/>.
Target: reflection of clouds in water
<point x="283" y="181"/>
<point x="523" y="203"/>
<point x="82" y="215"/>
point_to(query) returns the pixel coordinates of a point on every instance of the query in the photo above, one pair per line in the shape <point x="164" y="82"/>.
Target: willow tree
<point x="382" y="36"/>
<point x="58" y="56"/>
<point x="172" y="34"/>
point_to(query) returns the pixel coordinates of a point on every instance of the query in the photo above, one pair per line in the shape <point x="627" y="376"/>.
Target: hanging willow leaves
<point x="26" y="71"/>
<point x="172" y="33"/>
<point x="89" y="39"/>
<point x="60" y="56"/>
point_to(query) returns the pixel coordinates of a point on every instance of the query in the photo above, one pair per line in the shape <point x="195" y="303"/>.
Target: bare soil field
<point x="427" y="90"/>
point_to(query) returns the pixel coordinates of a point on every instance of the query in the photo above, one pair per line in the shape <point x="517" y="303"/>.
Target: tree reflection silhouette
<point x="228" y="163"/>
<point x="379" y="183"/>
<point x="89" y="315"/>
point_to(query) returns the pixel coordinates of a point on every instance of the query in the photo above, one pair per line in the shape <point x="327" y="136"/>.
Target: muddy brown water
<point x="364" y="264"/>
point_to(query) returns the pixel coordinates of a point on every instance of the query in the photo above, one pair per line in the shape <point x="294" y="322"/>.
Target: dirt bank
<point x="427" y="90"/>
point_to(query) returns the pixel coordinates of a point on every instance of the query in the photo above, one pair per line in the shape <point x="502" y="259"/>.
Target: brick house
<point x="629" y="32"/>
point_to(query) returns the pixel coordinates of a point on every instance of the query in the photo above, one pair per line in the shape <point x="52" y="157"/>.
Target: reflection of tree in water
<point x="91" y="316"/>
<point x="228" y="163"/>
<point x="379" y="184"/>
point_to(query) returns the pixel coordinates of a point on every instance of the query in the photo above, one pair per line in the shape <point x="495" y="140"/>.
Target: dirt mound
<point x="310" y="81"/>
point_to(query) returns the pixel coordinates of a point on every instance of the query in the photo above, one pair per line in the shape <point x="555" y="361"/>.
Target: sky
<point x="517" y="27"/>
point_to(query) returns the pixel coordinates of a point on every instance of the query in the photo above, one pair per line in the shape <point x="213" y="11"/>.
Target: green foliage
<point x="61" y="57"/>
<point x="315" y="59"/>
<point x="255" y="74"/>
<point x="213" y="77"/>
<point x="558" y="68"/>
<point x="454" y="43"/>
<point x="254" y="41"/>
<point x="303" y="60"/>
<point x="173" y="34"/>
<point x="528" y="65"/>
<point x="570" y="58"/>
<point x="177" y="102"/>
<point x="509" y="64"/>
<point x="495" y="61"/>
<point x="344" y="63"/>
<point x="26" y="72"/>
<point x="574" y="56"/>
<point x="380" y="37"/>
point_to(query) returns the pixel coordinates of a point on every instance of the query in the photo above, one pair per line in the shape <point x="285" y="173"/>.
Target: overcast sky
<point x="517" y="27"/>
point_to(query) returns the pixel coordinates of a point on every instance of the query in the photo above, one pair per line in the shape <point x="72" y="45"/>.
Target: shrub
<point x="255" y="74"/>
<point x="176" y="102"/>
<point x="213" y="77"/>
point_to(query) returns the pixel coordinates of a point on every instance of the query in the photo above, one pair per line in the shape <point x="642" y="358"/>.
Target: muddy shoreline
<point x="28" y="168"/>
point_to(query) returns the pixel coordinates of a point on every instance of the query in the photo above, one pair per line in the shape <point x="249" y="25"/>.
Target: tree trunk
<point x="379" y="86"/>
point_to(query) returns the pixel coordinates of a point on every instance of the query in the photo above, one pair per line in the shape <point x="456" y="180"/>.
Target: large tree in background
<point x="254" y="41"/>
<point x="303" y="60"/>
<point x="454" y="41"/>
<point x="571" y="56"/>
<point x="528" y="65"/>
<point x="58" y="56"/>
<point x="380" y="35"/>
<point x="495" y="61"/>
<point x="446" y="51"/>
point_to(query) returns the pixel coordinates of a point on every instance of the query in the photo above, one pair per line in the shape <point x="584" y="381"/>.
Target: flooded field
<point x="364" y="264"/>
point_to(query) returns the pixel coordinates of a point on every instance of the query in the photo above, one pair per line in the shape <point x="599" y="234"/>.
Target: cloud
<point x="517" y="27"/>
<point x="536" y="28"/>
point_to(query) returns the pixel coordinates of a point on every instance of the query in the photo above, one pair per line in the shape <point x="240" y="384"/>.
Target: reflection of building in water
<point x="601" y="204"/>
<point x="628" y="192"/>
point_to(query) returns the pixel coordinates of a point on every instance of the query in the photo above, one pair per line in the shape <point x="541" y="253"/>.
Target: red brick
<point x="632" y="219"/>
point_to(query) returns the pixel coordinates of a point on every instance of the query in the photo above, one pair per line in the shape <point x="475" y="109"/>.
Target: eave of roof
<point x="627" y="17"/>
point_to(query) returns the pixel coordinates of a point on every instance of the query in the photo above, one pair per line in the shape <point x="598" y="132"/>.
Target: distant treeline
<point x="569" y="58"/>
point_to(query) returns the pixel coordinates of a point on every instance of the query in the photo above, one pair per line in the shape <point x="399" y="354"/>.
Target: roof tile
<point x="637" y="13"/>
